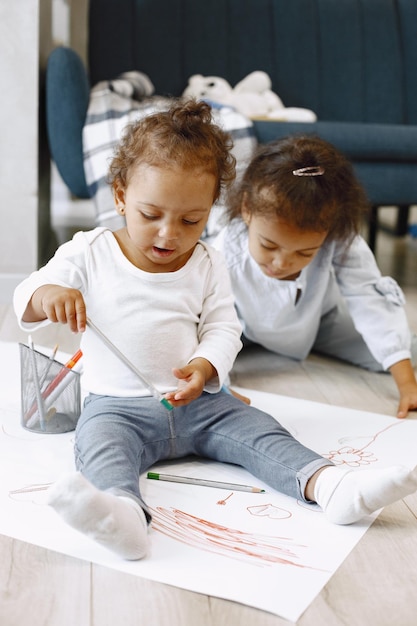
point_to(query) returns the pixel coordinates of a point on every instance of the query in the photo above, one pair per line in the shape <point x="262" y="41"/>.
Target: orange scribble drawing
<point x="225" y="499"/>
<point x="356" y="457"/>
<point x="29" y="493"/>
<point x="269" y="510"/>
<point x="260" y="550"/>
<point x="31" y="488"/>
<point x="350" y="456"/>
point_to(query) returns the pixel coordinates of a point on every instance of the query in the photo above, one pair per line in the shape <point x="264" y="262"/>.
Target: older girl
<point x="303" y="278"/>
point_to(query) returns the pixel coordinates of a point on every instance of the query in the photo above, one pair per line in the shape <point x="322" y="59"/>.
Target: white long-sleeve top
<point x="284" y="316"/>
<point x="157" y="320"/>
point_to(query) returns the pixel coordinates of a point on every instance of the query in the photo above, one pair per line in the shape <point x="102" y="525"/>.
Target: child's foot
<point x="117" y="523"/>
<point x="347" y="496"/>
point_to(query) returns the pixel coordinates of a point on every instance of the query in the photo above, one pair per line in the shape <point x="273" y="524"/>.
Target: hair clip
<point x="313" y="170"/>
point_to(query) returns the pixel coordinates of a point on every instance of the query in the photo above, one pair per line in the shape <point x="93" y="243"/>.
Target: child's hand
<point x="64" y="305"/>
<point x="190" y="386"/>
<point x="192" y="379"/>
<point x="405" y="378"/>
<point x="408" y="399"/>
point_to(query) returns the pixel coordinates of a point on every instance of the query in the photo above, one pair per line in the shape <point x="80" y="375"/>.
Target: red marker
<point x="55" y="382"/>
<point x="61" y="374"/>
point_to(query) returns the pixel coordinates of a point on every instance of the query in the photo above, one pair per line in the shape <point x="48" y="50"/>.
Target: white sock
<point x="116" y="522"/>
<point x="346" y="495"/>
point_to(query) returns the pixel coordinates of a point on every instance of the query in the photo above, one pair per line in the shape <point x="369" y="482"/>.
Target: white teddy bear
<point x="252" y="96"/>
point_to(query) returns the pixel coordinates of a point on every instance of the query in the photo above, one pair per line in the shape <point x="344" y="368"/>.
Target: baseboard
<point x="8" y="283"/>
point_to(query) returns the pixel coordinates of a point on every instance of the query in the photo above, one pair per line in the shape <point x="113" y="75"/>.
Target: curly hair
<point x="185" y="136"/>
<point x="331" y="200"/>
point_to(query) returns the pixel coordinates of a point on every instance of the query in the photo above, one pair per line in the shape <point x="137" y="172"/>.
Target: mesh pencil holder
<point x="50" y="393"/>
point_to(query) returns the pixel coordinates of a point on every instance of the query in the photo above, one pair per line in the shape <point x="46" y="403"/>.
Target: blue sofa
<point x="353" y="62"/>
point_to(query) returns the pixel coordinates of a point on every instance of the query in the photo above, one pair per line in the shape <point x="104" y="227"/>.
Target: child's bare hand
<point x="405" y="378"/>
<point x="192" y="379"/>
<point x="408" y="400"/>
<point x="64" y="305"/>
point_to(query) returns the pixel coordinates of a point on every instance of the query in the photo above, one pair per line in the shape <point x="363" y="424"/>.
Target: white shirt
<point x="157" y="320"/>
<point x="284" y="316"/>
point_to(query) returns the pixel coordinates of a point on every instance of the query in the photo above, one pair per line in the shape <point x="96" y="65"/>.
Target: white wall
<point x="21" y="47"/>
<point x="28" y="31"/>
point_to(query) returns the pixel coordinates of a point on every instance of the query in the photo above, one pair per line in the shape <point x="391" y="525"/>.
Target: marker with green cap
<point x="203" y="482"/>
<point x="154" y="391"/>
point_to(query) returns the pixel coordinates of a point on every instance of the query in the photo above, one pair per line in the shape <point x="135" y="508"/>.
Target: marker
<point x="51" y="359"/>
<point x="39" y="404"/>
<point x="53" y="385"/>
<point x="154" y="391"/>
<point x="203" y="482"/>
<point x="62" y="373"/>
<point x="42" y="378"/>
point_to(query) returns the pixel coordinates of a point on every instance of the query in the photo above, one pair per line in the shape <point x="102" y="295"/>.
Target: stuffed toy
<point x="252" y="97"/>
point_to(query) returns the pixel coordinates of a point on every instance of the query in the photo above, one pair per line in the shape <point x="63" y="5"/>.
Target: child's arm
<point x="192" y="380"/>
<point x="57" y="304"/>
<point x="404" y="376"/>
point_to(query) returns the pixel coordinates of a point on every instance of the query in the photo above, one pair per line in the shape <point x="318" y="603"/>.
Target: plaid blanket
<point x="115" y="104"/>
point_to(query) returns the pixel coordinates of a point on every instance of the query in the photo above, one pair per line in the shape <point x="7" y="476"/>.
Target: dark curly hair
<point x="333" y="201"/>
<point x="184" y="135"/>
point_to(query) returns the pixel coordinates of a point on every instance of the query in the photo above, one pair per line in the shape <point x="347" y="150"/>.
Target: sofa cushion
<point x="67" y="97"/>
<point x="358" y="141"/>
<point x="388" y="182"/>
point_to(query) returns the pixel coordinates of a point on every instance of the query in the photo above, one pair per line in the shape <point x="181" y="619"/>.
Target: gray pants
<point x="117" y="439"/>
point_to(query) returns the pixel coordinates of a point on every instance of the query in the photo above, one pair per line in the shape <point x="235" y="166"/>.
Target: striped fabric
<point x="115" y="104"/>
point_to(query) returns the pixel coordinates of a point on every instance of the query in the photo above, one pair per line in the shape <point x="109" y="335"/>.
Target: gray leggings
<point x="117" y="439"/>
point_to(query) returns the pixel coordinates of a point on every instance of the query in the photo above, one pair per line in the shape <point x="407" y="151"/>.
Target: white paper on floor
<point x="265" y="550"/>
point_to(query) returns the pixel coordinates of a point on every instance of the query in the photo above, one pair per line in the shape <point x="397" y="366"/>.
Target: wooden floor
<point x="375" y="586"/>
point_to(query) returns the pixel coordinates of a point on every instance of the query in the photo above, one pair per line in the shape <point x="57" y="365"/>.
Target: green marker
<point x="167" y="404"/>
<point x="204" y="483"/>
<point x="154" y="391"/>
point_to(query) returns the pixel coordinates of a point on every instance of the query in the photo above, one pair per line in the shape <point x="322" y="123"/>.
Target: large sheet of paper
<point x="261" y="549"/>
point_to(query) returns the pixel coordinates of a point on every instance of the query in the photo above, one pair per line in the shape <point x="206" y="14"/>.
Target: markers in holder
<point x="50" y="391"/>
